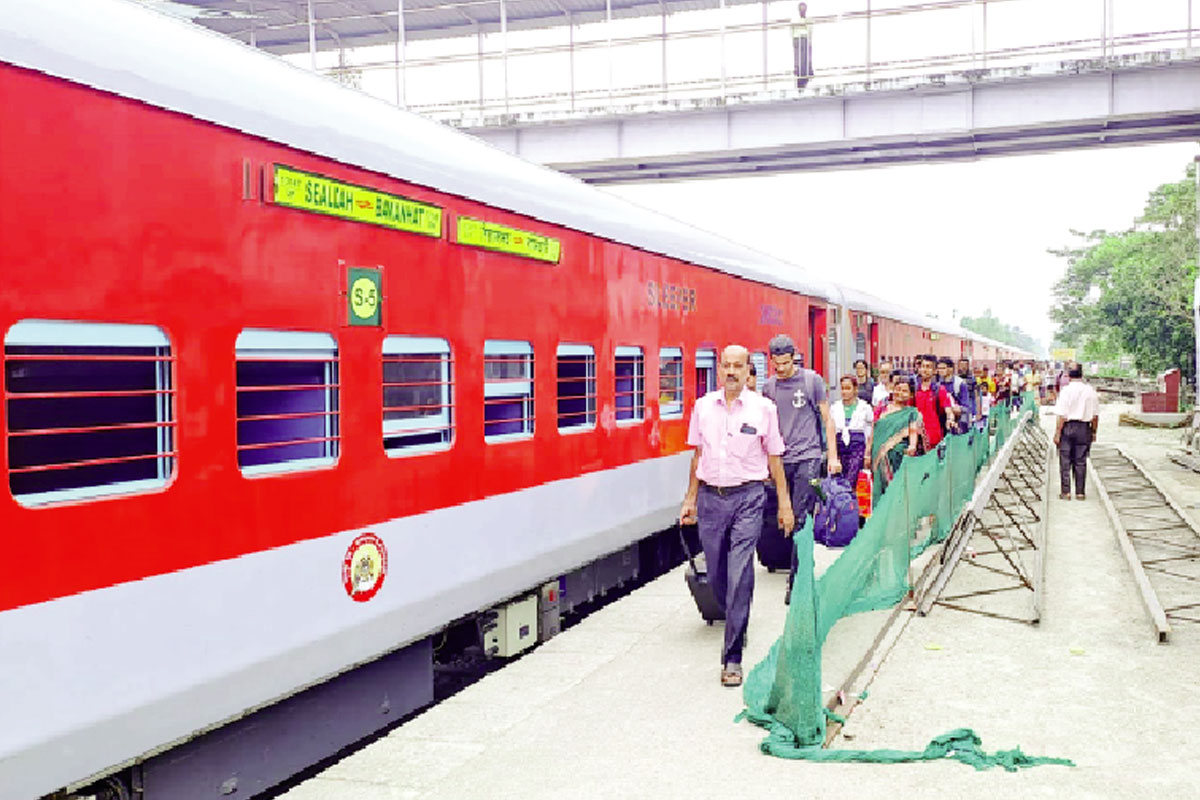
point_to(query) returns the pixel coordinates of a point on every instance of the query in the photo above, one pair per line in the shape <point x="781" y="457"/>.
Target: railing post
<point x="479" y="60"/>
<point x="571" y="54"/>
<point x="401" y="57"/>
<point x="662" y="7"/>
<point x="766" y="71"/>
<point x="608" y="46"/>
<point x="985" y="42"/>
<point x="868" y="41"/>
<point x="1189" y="26"/>
<point x="722" y="49"/>
<point x="312" y="38"/>
<point x="504" y="47"/>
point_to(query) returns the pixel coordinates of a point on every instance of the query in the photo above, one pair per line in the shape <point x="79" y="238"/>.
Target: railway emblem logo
<point x="364" y="567"/>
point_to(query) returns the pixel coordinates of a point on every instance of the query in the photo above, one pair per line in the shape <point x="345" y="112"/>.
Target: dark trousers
<point x="804" y="498"/>
<point x="851" y="456"/>
<point x="802" y="51"/>
<point x="729" y="528"/>
<point x="1073" y="448"/>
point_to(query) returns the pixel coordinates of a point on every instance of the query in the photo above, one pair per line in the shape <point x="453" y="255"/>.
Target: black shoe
<point x="787" y="597"/>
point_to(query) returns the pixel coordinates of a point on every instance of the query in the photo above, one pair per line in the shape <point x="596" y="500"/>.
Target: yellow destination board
<point x="477" y="233"/>
<point x="1063" y="353"/>
<point x="310" y="192"/>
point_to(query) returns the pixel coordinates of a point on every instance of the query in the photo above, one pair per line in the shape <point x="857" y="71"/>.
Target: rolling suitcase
<point x="773" y="548"/>
<point x="698" y="585"/>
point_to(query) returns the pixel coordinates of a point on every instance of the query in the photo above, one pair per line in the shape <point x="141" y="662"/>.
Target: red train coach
<point x="294" y="379"/>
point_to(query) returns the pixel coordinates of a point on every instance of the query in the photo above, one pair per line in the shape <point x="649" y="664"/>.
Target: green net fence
<point x="783" y="692"/>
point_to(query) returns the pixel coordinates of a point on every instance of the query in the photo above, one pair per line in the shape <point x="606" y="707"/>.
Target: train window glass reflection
<point x="507" y="390"/>
<point x="670" y="383"/>
<point x="418" y="395"/>
<point x="90" y="410"/>
<point x="576" y="387"/>
<point x="631" y="384"/>
<point x="706" y="372"/>
<point x="287" y="400"/>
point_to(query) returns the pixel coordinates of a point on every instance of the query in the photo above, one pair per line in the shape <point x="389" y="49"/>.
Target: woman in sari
<point x="896" y="435"/>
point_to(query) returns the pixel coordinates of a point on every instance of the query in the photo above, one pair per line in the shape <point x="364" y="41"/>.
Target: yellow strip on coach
<point x="323" y="195"/>
<point x="477" y="233"/>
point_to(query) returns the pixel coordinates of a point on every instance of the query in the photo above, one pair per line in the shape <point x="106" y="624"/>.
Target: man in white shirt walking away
<point x="1078" y="412"/>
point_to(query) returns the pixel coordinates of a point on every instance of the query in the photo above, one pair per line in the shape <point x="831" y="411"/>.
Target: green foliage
<point x="988" y="325"/>
<point x="1103" y="348"/>
<point x="1131" y="291"/>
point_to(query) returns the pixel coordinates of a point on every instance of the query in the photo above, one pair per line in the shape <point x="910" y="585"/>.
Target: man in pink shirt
<point x="736" y="436"/>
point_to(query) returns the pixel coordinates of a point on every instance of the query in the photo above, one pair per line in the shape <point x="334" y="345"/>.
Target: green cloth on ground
<point x="961" y="744"/>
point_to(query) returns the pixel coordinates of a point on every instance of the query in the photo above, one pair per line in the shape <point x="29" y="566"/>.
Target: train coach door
<point x="873" y="338"/>
<point x="816" y="340"/>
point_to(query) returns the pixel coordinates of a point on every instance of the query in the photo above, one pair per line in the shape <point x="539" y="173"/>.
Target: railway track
<point x="1160" y="542"/>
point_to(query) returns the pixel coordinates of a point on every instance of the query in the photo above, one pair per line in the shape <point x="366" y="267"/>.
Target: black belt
<point x="725" y="491"/>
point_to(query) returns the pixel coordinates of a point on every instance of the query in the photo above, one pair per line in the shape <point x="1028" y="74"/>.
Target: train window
<point x="706" y="372"/>
<point x="418" y="395"/>
<point x="90" y="410"/>
<point x="287" y="400"/>
<point x="759" y="360"/>
<point x="670" y="383"/>
<point x="631" y="384"/>
<point x="507" y="390"/>
<point x="576" y="386"/>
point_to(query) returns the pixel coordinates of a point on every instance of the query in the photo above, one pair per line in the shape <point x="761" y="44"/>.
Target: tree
<point x="1132" y="290"/>
<point x="988" y="325"/>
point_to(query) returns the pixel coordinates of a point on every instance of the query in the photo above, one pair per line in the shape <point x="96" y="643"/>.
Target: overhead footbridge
<point x="621" y="91"/>
<point x="1136" y="99"/>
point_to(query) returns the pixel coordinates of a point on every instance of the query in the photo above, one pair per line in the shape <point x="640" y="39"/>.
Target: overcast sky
<point x="935" y="237"/>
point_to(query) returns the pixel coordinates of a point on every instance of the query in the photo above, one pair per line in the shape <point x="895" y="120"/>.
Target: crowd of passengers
<point x="761" y="446"/>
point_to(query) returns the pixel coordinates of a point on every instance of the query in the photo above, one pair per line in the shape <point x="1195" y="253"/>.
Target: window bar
<point x="306" y="440"/>
<point x="87" y="462"/>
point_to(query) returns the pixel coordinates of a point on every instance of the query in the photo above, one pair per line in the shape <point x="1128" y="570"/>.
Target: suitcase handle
<point x="687" y="551"/>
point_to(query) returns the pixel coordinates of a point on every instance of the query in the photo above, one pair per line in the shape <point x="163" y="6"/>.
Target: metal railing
<point x="436" y="83"/>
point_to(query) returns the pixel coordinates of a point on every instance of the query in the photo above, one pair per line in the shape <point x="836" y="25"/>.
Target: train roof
<point x="133" y="51"/>
<point x="869" y="303"/>
<point x="136" y="52"/>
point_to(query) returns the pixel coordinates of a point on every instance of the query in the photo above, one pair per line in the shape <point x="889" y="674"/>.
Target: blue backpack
<point x="835" y="522"/>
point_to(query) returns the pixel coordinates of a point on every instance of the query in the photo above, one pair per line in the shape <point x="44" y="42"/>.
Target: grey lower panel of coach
<point x="252" y="754"/>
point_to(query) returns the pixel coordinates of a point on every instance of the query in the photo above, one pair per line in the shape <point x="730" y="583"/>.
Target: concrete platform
<point x="627" y="704"/>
